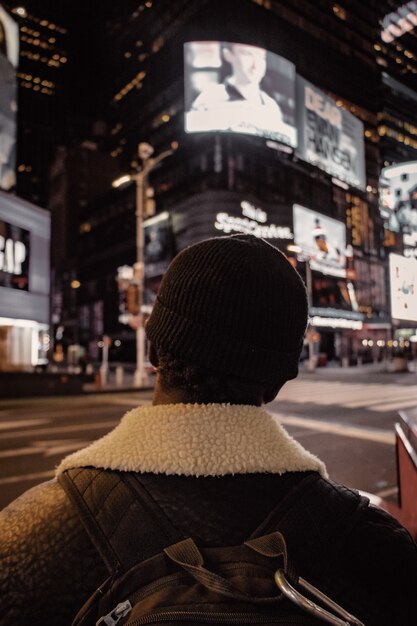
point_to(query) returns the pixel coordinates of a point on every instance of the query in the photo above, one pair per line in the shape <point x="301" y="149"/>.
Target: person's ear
<point x="153" y="356"/>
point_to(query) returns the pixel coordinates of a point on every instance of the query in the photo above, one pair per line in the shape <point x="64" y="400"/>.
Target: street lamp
<point x="301" y="256"/>
<point x="149" y="162"/>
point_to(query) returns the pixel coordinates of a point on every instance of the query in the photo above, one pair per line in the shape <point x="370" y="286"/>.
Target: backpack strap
<point x="127" y="526"/>
<point x="120" y="516"/>
<point x="315" y="518"/>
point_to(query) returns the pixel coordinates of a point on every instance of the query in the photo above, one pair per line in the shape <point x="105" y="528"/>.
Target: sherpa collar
<point x="197" y="440"/>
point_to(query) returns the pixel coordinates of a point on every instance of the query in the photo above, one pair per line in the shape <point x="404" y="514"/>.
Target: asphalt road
<point x="346" y="417"/>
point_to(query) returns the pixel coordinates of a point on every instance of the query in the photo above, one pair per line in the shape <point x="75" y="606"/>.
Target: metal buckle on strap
<point x="307" y="605"/>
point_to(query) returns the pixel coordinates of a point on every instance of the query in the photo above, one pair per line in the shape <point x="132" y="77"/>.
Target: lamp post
<point x="149" y="162"/>
<point x="309" y="287"/>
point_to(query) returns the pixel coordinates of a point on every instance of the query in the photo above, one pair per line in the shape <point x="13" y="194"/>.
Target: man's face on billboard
<point x="248" y="63"/>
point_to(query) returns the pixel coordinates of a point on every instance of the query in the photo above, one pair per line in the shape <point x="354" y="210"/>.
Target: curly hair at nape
<point x="202" y="386"/>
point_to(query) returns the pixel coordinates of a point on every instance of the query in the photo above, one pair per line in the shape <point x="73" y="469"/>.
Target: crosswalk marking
<point x="108" y="425"/>
<point x="22" y="423"/>
<point x="343" y="430"/>
<point x="8" y="480"/>
<point x="378" y="398"/>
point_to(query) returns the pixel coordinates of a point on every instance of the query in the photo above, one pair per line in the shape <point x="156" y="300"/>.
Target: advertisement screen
<point x="235" y="87"/>
<point x="9" y="52"/>
<point x="329" y="136"/>
<point x="157" y="244"/>
<point x="398" y="197"/>
<point x="322" y="239"/>
<point x="403" y="287"/>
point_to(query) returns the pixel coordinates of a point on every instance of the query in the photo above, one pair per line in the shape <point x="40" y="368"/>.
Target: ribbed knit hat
<point x="234" y="305"/>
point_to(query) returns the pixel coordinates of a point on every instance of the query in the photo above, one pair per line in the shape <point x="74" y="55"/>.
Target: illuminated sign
<point x="252" y="222"/>
<point x="9" y="54"/>
<point x="403" y="286"/>
<point x="329" y="137"/>
<point x="14" y="256"/>
<point x="397" y="23"/>
<point x="158" y="250"/>
<point x="336" y="322"/>
<point x="321" y="239"/>
<point x="235" y="87"/>
<point x="410" y="244"/>
<point x="398" y="197"/>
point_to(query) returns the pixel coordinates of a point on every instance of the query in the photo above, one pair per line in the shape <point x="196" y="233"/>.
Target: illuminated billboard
<point x="328" y="136"/>
<point x="14" y="256"/>
<point x="398" y="197"/>
<point x="158" y="250"/>
<point x="321" y="239"/>
<point x="234" y="87"/>
<point x="9" y="53"/>
<point x="403" y="287"/>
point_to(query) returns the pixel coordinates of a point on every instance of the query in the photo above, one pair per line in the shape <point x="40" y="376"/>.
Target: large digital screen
<point x="398" y="197"/>
<point x="403" y="287"/>
<point x="235" y="87"/>
<point x="9" y="53"/>
<point x="321" y="239"/>
<point x="328" y="136"/>
<point x="158" y="249"/>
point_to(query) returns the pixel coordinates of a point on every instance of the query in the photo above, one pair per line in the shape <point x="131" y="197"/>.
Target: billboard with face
<point x="398" y="197"/>
<point x="403" y="287"/>
<point x="9" y="52"/>
<point x="321" y="239"/>
<point x="234" y="87"/>
<point x="329" y="136"/>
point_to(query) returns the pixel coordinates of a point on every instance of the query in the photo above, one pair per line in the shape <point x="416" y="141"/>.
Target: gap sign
<point x="14" y="256"/>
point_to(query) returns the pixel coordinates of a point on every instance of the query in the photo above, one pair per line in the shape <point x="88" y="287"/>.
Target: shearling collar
<point x="197" y="440"/>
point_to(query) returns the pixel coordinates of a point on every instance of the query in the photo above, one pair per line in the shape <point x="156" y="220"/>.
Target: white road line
<point x="4" y="454"/>
<point x="380" y="398"/>
<point x="131" y="402"/>
<point x="389" y="406"/>
<point x="369" y="434"/>
<point x="108" y="425"/>
<point x="386" y="493"/>
<point x="24" y="477"/>
<point x="59" y="446"/>
<point x="46" y="448"/>
<point x="22" y="423"/>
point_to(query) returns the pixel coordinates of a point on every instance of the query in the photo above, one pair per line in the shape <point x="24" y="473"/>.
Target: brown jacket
<point x="217" y="471"/>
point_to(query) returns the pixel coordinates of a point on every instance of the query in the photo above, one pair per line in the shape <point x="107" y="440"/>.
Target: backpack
<point x="160" y="577"/>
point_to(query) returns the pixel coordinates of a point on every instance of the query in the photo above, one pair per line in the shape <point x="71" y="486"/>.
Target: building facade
<point x="24" y="284"/>
<point x="220" y="181"/>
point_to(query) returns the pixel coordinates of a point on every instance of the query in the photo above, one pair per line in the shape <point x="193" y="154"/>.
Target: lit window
<point x="339" y="12"/>
<point x="21" y="11"/>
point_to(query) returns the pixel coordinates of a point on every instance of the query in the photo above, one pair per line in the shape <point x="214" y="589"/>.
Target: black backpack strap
<point x="123" y="521"/>
<point x="315" y="518"/>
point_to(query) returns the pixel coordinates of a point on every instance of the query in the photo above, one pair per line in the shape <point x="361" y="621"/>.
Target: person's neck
<point x="163" y="396"/>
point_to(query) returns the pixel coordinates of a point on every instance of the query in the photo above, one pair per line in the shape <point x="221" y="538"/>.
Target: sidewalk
<point x="375" y="373"/>
<point x="115" y="384"/>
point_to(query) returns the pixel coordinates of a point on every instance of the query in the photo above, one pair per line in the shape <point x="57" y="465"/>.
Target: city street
<point x="345" y="416"/>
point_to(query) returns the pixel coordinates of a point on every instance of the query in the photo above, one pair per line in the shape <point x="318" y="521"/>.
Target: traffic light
<point x="133" y="300"/>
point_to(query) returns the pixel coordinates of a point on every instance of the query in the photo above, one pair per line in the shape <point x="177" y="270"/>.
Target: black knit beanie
<point x="234" y="305"/>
